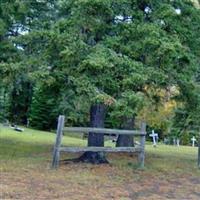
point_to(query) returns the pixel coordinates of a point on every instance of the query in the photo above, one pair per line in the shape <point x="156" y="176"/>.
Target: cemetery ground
<point x="25" y="158"/>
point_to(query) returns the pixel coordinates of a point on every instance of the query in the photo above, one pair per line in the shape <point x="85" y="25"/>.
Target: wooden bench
<point x="140" y="149"/>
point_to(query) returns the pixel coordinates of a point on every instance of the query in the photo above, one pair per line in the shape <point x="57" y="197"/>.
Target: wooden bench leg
<point x="59" y="132"/>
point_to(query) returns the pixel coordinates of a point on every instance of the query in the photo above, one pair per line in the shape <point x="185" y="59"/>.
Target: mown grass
<point x="25" y="158"/>
<point x="17" y="144"/>
<point x="19" y="149"/>
<point x="34" y="145"/>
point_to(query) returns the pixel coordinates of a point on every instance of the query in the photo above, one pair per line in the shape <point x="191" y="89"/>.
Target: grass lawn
<point x="25" y="159"/>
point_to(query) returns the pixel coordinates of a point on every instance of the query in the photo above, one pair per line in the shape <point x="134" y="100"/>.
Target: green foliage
<point x="3" y="105"/>
<point x="129" y="104"/>
<point x="17" y="60"/>
<point x="187" y="117"/>
<point x="43" y="113"/>
<point x="185" y="138"/>
<point x="120" y="53"/>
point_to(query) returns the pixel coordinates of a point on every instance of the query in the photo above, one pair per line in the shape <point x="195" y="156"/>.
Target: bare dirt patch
<point x="98" y="182"/>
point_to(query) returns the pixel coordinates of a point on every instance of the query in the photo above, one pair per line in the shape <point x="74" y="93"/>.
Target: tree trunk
<point x="97" y="117"/>
<point x="126" y="140"/>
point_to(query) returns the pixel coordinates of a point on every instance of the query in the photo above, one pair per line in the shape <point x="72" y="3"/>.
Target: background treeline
<point x="137" y="60"/>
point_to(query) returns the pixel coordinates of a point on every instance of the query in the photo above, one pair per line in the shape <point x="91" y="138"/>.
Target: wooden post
<point x="59" y="132"/>
<point x="199" y="152"/>
<point x="141" y="155"/>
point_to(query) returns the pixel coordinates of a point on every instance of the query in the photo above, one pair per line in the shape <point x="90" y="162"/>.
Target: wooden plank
<point x="141" y="155"/>
<point x="104" y="131"/>
<point x="100" y="149"/>
<point x="59" y="133"/>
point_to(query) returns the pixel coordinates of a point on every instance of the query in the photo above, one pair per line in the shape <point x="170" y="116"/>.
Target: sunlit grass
<point x="33" y="147"/>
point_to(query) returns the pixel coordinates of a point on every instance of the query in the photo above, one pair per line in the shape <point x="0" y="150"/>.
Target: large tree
<point x="116" y="52"/>
<point x="108" y="53"/>
<point x="18" y="59"/>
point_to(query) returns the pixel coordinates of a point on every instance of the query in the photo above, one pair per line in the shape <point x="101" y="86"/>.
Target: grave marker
<point x="174" y="141"/>
<point x="193" y="141"/>
<point x="177" y="142"/>
<point x="154" y="135"/>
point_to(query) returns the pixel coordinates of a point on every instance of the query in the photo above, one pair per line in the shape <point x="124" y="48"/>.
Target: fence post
<point x="141" y="155"/>
<point x="59" y="132"/>
<point x="198" y="162"/>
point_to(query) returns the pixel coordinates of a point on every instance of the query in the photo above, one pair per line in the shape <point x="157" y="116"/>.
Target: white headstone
<point x="193" y="141"/>
<point x="174" y="141"/>
<point x="177" y="142"/>
<point x="154" y="135"/>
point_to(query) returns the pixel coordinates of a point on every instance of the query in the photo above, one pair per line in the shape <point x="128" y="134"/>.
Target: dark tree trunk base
<point x="93" y="157"/>
<point x="126" y="140"/>
<point x="97" y="116"/>
<point x="89" y="157"/>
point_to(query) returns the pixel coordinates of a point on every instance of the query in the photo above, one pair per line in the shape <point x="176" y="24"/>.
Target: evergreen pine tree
<point x="43" y="112"/>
